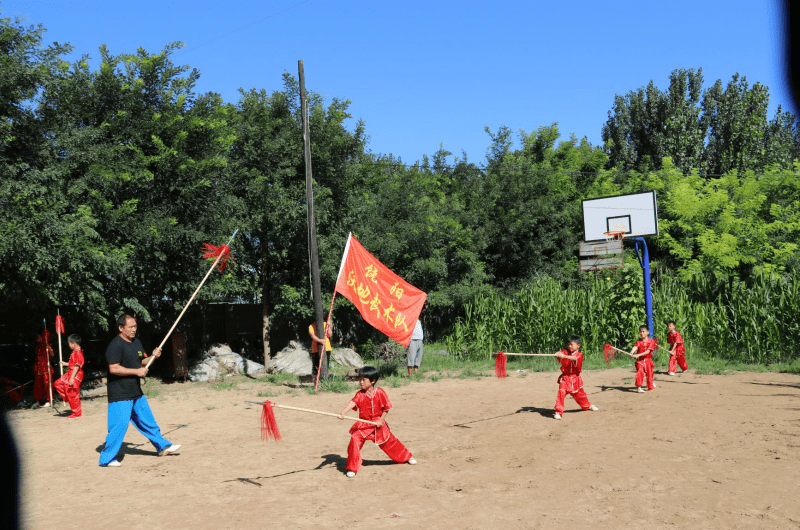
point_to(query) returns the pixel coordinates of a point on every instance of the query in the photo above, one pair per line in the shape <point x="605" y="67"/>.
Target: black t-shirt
<point x="128" y="355"/>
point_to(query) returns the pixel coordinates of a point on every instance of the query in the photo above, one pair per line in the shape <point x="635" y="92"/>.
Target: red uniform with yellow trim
<point x="570" y="382"/>
<point x="679" y="359"/>
<point x="72" y="393"/>
<point x="371" y="408"/>
<point x="42" y="370"/>
<point x="644" y="365"/>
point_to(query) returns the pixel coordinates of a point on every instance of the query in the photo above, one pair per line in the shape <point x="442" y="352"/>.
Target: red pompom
<point x="608" y="353"/>
<point x="500" y="365"/>
<point x="269" y="427"/>
<point x="60" y="325"/>
<point x="212" y="252"/>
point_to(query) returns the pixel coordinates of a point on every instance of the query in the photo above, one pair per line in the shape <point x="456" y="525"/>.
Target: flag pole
<point x="330" y="311"/>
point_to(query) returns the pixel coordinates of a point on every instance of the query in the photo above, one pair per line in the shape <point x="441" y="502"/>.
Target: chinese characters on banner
<point x="384" y="299"/>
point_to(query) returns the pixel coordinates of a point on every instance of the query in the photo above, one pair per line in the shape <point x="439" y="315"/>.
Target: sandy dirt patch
<point x="706" y="451"/>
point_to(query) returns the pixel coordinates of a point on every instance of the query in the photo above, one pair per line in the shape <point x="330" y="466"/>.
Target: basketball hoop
<point x="611" y="235"/>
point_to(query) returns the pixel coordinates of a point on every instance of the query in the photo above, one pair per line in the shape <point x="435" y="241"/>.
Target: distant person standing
<point x="415" y="349"/>
<point x="69" y="386"/>
<point x="126" y="401"/>
<point x="315" y="343"/>
<point x="42" y="369"/>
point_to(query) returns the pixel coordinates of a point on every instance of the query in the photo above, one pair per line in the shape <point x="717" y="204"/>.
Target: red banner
<point x="386" y="301"/>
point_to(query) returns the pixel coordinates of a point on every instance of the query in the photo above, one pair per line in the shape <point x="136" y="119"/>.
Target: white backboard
<point x="636" y="213"/>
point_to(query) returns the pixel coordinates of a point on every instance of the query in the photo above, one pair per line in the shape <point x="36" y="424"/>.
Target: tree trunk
<point x="265" y="312"/>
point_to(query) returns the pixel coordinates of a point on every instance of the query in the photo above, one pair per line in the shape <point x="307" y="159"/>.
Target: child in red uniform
<point x="570" y="381"/>
<point x="677" y="353"/>
<point x="373" y="404"/>
<point x="69" y="386"/>
<point x="42" y="369"/>
<point x="644" y="348"/>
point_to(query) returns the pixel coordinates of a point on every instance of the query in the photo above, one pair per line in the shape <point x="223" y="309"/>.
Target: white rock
<point x="347" y="357"/>
<point x="293" y="359"/>
<point x="220" y="361"/>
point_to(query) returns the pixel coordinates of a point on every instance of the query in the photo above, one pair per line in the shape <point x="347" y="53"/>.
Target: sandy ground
<point x="715" y="451"/>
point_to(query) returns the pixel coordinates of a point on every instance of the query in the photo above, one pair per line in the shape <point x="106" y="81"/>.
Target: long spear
<point x="59" y="330"/>
<point x="46" y="345"/>
<point x="269" y="427"/>
<point x="223" y="255"/>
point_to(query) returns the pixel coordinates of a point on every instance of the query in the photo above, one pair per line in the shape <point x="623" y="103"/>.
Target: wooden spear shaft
<point x="60" y="358"/>
<point x="152" y="358"/>
<point x="623" y="351"/>
<point x="316" y="412"/>
<point x="527" y="354"/>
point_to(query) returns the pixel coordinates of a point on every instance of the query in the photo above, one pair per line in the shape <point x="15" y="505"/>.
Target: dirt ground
<point x="700" y="451"/>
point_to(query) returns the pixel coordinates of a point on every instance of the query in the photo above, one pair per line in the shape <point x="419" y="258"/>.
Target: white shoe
<point x="351" y="474"/>
<point x="557" y="416"/>
<point x="47" y="404"/>
<point x="412" y="461"/>
<point x="641" y="390"/>
<point x="113" y="463"/>
<point x="671" y="373"/>
<point x="654" y="386"/>
<point x="592" y="407"/>
<point x="168" y="450"/>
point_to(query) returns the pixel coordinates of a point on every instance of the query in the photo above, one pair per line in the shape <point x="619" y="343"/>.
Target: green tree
<point x="134" y="182"/>
<point x="714" y="132"/>
<point x="268" y="168"/>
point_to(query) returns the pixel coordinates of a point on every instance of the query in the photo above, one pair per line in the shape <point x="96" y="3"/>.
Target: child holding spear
<point x="570" y="381"/>
<point x="373" y="404"/>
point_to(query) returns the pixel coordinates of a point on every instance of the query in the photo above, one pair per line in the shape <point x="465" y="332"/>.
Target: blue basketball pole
<point x="644" y="261"/>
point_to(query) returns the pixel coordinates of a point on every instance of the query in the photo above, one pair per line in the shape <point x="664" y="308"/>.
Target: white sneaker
<point x="641" y="390"/>
<point x="47" y="404"/>
<point x="168" y="450"/>
<point x="671" y="373"/>
<point x="557" y="416"/>
<point x="654" y="386"/>
<point x="113" y="463"/>
<point x="351" y="474"/>
<point x="412" y="461"/>
<point x="592" y="407"/>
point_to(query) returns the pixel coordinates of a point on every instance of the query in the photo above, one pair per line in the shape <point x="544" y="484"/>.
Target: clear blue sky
<point x="424" y="73"/>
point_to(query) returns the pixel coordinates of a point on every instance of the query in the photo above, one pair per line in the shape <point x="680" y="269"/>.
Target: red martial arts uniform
<point x="644" y="365"/>
<point x="679" y="359"/>
<point x="42" y="370"/>
<point x="570" y="382"/>
<point x="72" y="394"/>
<point x="371" y="408"/>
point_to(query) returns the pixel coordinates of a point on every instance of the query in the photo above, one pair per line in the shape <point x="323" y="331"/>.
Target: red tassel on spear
<point x="269" y="427"/>
<point x="500" y="365"/>
<point x="223" y="256"/>
<point x="223" y="252"/>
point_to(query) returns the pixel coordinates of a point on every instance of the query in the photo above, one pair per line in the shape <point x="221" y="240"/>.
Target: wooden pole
<point x="316" y="285"/>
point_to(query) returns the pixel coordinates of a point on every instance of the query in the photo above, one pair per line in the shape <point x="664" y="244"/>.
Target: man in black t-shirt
<point x="126" y="402"/>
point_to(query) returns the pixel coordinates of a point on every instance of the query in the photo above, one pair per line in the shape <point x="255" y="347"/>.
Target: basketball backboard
<point x="636" y="213"/>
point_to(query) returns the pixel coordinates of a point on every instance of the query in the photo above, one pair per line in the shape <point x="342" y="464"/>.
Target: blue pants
<point x="136" y="411"/>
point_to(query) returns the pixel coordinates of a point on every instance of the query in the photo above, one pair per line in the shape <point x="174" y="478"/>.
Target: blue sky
<point x="424" y="73"/>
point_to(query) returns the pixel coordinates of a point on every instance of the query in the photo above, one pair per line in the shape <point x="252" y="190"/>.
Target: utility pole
<point x="316" y="286"/>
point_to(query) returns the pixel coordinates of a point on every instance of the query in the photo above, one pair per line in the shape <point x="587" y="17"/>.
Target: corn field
<point x="754" y="322"/>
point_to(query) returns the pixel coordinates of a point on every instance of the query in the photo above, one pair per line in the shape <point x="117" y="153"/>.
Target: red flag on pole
<point x="386" y="301"/>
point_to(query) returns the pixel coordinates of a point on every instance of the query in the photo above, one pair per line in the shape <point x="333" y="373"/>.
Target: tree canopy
<point x="113" y="176"/>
